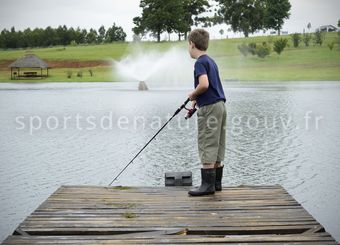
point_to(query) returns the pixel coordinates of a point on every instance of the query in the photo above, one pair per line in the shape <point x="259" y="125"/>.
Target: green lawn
<point x="90" y="52"/>
<point x="294" y="64"/>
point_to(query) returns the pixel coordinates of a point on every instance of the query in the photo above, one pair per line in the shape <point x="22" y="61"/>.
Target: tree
<point x="139" y="29"/>
<point x="296" y="38"/>
<point x="50" y="37"/>
<point x="12" y="38"/>
<point x="176" y="16"/>
<point x="62" y="35"/>
<point x="309" y="26"/>
<point x="4" y="38"/>
<point x="243" y="48"/>
<point x="221" y="32"/>
<point x="319" y="37"/>
<point x="71" y="34"/>
<point x="263" y="50"/>
<point x="338" y="39"/>
<point x="279" y="45"/>
<point x="81" y="36"/>
<point x="246" y="16"/>
<point x="276" y="12"/>
<point x="115" y="33"/>
<point x="307" y="37"/>
<point x="152" y="19"/>
<point x="101" y="35"/>
<point x="2" y="43"/>
<point x="330" y="46"/>
<point x="252" y="48"/>
<point x="27" y="37"/>
<point x="192" y="10"/>
<point x="38" y="38"/>
<point x="92" y="36"/>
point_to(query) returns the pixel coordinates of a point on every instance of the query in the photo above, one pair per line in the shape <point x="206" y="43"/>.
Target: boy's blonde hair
<point x="200" y="38"/>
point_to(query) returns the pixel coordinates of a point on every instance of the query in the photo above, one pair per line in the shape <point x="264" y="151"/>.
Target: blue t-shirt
<point x="205" y="65"/>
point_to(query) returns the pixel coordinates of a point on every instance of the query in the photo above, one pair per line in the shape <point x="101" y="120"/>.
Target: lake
<point x="56" y="134"/>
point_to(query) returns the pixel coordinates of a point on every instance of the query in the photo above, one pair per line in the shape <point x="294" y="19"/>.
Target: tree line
<point x="61" y="35"/>
<point x="159" y="16"/>
<point x="177" y="16"/>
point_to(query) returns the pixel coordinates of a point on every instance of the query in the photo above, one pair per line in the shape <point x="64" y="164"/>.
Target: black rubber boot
<point x="219" y="175"/>
<point x="207" y="187"/>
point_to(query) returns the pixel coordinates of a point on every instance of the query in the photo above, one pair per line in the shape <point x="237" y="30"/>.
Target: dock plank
<point x="167" y="215"/>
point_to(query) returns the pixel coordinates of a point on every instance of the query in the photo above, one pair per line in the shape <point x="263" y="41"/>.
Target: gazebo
<point x="29" y="66"/>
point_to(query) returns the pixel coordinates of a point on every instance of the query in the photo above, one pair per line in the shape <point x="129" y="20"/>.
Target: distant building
<point x="327" y="28"/>
<point x="275" y="32"/>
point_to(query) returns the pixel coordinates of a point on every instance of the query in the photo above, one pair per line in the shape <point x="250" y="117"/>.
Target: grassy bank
<point x="298" y="64"/>
<point x="100" y="74"/>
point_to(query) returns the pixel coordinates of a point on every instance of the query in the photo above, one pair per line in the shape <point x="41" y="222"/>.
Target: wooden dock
<point x="167" y="215"/>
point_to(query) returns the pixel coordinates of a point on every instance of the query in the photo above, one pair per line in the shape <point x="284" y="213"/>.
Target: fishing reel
<point x="190" y="112"/>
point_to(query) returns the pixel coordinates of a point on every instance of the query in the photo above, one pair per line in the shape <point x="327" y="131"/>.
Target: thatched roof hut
<point x="30" y="63"/>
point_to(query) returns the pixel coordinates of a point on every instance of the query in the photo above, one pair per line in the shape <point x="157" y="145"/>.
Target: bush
<point x="330" y="45"/>
<point x="243" y="48"/>
<point x="263" y="50"/>
<point x="307" y="38"/>
<point x="296" y="38"/>
<point x="91" y="72"/>
<point x="73" y="43"/>
<point x="69" y="74"/>
<point x="279" y="45"/>
<point x="319" y="37"/>
<point x="80" y="74"/>
<point x="252" y="48"/>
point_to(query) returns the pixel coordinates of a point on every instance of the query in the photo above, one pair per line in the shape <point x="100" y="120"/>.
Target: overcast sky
<point x="94" y="13"/>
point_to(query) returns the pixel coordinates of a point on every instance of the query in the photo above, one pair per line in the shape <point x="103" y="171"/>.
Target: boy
<point x="211" y="116"/>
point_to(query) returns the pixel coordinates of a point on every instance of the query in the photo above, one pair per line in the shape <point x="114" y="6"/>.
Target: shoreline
<point x="224" y="81"/>
<point x="94" y="63"/>
<point x="133" y="86"/>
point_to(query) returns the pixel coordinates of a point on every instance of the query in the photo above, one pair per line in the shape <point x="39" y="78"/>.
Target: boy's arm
<point x="203" y="85"/>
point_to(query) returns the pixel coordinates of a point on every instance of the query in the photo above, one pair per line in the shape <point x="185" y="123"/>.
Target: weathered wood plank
<point x="174" y="239"/>
<point x="157" y="215"/>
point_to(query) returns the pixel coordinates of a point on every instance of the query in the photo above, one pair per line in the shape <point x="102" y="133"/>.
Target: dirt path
<point x="4" y="64"/>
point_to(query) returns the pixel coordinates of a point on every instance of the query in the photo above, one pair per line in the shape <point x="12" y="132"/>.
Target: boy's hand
<point x="193" y="104"/>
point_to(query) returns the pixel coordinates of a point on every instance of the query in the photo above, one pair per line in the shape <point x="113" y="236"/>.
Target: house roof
<point x="327" y="26"/>
<point x="29" y="61"/>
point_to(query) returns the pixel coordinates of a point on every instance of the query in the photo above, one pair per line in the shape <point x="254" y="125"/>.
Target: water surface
<point x="273" y="137"/>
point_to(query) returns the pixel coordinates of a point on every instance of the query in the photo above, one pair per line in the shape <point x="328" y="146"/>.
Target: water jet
<point x="170" y="68"/>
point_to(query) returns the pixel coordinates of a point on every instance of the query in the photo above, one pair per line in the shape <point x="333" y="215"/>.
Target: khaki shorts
<point x="211" y="120"/>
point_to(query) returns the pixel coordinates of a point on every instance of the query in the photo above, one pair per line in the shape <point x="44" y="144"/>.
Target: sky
<point x="93" y="13"/>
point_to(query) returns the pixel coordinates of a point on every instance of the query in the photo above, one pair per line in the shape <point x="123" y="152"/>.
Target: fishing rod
<point x="189" y="114"/>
